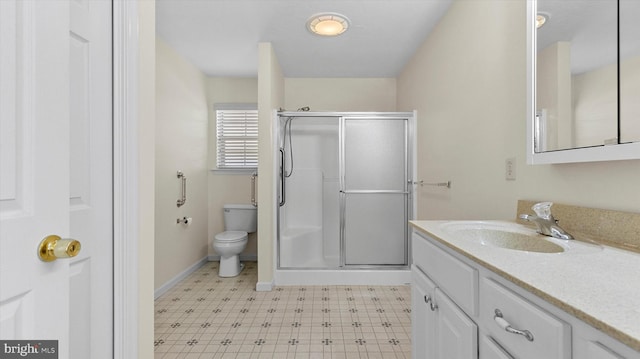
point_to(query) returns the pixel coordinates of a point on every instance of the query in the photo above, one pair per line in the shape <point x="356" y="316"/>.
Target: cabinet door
<point x="595" y="350"/>
<point x="422" y="317"/>
<point x="489" y="349"/>
<point x="456" y="334"/>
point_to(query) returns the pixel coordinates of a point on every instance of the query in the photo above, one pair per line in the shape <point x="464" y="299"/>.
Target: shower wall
<point x="309" y="220"/>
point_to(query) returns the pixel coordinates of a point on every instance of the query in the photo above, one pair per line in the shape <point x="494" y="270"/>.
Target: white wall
<point x="270" y="98"/>
<point x="468" y="83"/>
<point x="181" y="144"/>
<point x="340" y="94"/>
<point x="224" y="187"/>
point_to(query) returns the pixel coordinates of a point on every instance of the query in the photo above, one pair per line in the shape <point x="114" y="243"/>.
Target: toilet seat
<point x="231" y="236"/>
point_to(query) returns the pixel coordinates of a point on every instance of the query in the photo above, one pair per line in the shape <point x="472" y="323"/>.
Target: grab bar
<point x="253" y="189"/>
<point x="183" y="189"/>
<point x="282" y="179"/>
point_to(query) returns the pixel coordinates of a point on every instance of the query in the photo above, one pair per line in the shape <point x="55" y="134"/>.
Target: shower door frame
<point x="345" y="191"/>
<point x="410" y="171"/>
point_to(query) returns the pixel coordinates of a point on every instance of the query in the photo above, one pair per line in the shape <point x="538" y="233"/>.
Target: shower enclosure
<point x="345" y="191"/>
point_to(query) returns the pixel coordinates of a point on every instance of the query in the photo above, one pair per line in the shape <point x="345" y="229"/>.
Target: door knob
<point x="53" y="247"/>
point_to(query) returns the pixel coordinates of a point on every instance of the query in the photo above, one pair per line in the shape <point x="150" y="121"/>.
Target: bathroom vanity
<point x="481" y="290"/>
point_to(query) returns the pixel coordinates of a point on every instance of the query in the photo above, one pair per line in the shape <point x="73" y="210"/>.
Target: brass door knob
<point x="53" y="247"/>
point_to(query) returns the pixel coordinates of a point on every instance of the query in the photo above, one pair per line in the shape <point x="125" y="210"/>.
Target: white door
<point x="90" y="182"/>
<point x="55" y="173"/>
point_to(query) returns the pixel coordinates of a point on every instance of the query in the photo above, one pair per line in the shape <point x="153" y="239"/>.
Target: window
<point x="236" y="136"/>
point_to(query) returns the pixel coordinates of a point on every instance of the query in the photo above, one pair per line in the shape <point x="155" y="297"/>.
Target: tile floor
<point x="206" y="316"/>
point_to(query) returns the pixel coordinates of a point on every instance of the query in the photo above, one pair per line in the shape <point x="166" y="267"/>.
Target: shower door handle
<point x="282" y="179"/>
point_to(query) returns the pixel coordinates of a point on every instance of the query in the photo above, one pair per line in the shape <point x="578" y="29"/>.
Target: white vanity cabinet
<point x="444" y="299"/>
<point x="440" y="328"/>
<point x="462" y="309"/>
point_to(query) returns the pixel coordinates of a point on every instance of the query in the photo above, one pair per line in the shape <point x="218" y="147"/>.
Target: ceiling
<point x="220" y="37"/>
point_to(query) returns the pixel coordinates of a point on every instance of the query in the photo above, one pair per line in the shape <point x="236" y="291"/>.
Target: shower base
<point x="398" y="276"/>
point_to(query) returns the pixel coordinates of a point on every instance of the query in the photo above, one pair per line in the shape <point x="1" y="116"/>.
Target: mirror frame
<point x="625" y="151"/>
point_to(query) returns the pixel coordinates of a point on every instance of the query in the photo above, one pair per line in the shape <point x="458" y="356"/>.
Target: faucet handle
<point x="525" y="217"/>
<point x="543" y="210"/>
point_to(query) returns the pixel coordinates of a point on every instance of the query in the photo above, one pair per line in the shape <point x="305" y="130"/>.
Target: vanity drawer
<point x="551" y="337"/>
<point x="454" y="277"/>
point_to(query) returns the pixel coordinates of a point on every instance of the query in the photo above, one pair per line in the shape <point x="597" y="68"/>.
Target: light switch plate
<point x="510" y="169"/>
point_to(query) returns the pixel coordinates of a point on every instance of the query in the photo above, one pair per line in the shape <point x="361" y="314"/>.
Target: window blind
<point x="237" y="138"/>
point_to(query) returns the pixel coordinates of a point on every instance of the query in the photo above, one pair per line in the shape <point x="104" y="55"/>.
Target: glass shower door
<point x="374" y="191"/>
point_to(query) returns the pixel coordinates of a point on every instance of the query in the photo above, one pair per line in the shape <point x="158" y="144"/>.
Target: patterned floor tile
<point x="206" y="316"/>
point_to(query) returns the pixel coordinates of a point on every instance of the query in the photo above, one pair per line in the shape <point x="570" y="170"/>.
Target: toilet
<point x="239" y="221"/>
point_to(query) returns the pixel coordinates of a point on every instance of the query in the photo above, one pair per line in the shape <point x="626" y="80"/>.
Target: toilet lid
<point x="231" y="236"/>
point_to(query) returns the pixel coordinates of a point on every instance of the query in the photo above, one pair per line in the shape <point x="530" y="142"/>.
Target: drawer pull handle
<point x="432" y="304"/>
<point x="502" y="323"/>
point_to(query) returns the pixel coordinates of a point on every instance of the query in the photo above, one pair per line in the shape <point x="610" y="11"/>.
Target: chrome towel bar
<point x="436" y="184"/>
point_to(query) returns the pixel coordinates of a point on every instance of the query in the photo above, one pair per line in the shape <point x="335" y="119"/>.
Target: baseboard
<point x="168" y="285"/>
<point x="243" y="257"/>
<point x="264" y="286"/>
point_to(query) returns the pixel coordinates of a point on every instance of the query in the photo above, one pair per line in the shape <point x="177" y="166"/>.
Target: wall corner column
<point x="270" y="99"/>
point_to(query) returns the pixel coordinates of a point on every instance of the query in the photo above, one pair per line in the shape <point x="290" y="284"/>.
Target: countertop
<point x="599" y="286"/>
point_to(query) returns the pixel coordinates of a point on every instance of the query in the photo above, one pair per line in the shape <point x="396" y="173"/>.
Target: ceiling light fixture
<point x="328" y="24"/>
<point x="541" y="19"/>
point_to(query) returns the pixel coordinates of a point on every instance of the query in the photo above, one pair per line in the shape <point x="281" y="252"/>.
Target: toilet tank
<point x="240" y="217"/>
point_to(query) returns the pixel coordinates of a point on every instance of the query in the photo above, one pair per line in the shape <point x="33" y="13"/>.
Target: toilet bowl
<point x="229" y="245"/>
<point x="239" y="221"/>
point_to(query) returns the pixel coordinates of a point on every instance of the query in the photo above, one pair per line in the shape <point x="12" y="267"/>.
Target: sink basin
<point x="512" y="240"/>
<point x="505" y="235"/>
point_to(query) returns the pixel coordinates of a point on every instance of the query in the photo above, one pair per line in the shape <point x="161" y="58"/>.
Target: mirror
<point x="577" y="114"/>
<point x="576" y="74"/>
<point x="629" y="71"/>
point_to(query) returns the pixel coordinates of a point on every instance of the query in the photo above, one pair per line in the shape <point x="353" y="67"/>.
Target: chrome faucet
<point x="545" y="222"/>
